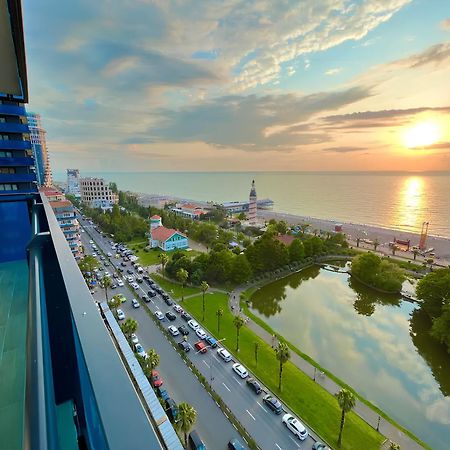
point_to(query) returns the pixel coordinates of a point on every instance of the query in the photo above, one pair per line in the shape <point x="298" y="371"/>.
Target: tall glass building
<point x="63" y="383"/>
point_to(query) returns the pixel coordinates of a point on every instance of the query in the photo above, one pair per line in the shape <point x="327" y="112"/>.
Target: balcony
<point x="17" y="177"/>
<point x="6" y="127"/>
<point x="16" y="162"/>
<point x="12" y="110"/>
<point x="11" y="144"/>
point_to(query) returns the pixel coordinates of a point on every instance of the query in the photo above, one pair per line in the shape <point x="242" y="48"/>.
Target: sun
<point x="422" y="134"/>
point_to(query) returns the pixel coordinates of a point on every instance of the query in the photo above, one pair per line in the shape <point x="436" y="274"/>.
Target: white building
<point x="73" y="182"/>
<point x="96" y="193"/>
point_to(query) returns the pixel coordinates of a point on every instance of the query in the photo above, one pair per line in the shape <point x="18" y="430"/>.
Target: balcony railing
<point x="17" y="177"/>
<point x="12" y="110"/>
<point x="20" y="161"/>
<point x="11" y="144"/>
<point x="8" y="127"/>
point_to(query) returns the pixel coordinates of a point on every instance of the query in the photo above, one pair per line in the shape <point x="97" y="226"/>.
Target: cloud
<point x="445" y="24"/>
<point x="290" y="70"/>
<point x="436" y="146"/>
<point x="334" y="71"/>
<point x="343" y="149"/>
<point x="435" y="55"/>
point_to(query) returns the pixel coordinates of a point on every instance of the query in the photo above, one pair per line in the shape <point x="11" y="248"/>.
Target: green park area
<point x="174" y="289"/>
<point x="306" y="398"/>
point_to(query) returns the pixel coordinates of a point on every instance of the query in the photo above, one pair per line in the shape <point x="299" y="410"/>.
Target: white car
<point x="173" y="330"/>
<point x="240" y="370"/>
<point x="140" y="350"/>
<point x="106" y="273"/>
<point x="120" y="314"/>
<point x="135" y="303"/>
<point x="135" y="286"/>
<point x="91" y="242"/>
<point x="193" y="324"/>
<point x="295" y="426"/>
<point x="134" y="339"/>
<point x="109" y="254"/>
<point x="120" y="283"/>
<point x="159" y="315"/>
<point x="130" y="279"/>
<point x="200" y="332"/>
<point x="224" y="354"/>
<point x="177" y="308"/>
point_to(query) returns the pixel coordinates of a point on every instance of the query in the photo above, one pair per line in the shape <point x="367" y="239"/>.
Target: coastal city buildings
<point x="39" y="146"/>
<point x="96" y="193"/>
<point x="165" y="238"/>
<point x="188" y="210"/>
<point x="252" y="205"/>
<point x="73" y="182"/>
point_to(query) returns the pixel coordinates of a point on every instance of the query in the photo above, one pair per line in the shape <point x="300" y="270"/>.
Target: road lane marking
<point x="237" y="381"/>
<point x="278" y="446"/>
<point x="294" y="441"/>
<point x="250" y="414"/>
<point x="217" y="359"/>
<point x="226" y="387"/>
<point x="206" y="364"/>
<point x="262" y="407"/>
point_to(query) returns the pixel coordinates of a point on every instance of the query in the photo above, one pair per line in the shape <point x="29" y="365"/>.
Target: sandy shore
<point x="441" y="245"/>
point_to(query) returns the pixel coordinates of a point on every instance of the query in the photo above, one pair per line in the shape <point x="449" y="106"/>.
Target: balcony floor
<point x="13" y="328"/>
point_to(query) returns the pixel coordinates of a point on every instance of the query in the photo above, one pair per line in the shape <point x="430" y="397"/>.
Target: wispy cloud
<point x="334" y="71"/>
<point x="343" y="149"/>
<point x="445" y="24"/>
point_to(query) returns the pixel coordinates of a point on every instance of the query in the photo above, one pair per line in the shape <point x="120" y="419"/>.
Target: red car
<point x="156" y="379"/>
<point x="201" y="347"/>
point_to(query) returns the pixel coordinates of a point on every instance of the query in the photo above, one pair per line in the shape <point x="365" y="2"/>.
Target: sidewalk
<point x="390" y="431"/>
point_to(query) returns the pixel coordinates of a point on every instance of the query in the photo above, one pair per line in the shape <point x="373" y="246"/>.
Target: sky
<point x="162" y="85"/>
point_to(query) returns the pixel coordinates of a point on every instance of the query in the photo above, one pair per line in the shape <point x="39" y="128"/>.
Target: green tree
<point x="152" y="358"/>
<point x="182" y="276"/>
<point x="441" y="327"/>
<point x="115" y="302"/>
<point x="204" y="287"/>
<point x="88" y="264"/>
<point x="347" y="402"/>
<point x="163" y="258"/>
<point x="219" y="266"/>
<point x="282" y="227"/>
<point x="187" y="416"/>
<point x="296" y="250"/>
<point x="238" y="322"/>
<point x="241" y="216"/>
<point x="434" y="291"/>
<point x="129" y="326"/>
<point x="241" y="271"/>
<point x="304" y="227"/>
<point x="106" y="283"/>
<point x="283" y="355"/>
<point x="219" y="314"/>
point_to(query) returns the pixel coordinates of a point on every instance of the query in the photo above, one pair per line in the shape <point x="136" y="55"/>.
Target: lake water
<point x="377" y="344"/>
<point x="392" y="200"/>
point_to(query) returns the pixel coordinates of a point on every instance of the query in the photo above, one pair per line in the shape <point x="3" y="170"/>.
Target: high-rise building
<point x="39" y="146"/>
<point x="73" y="182"/>
<point x="96" y="193"/>
<point x="252" y="205"/>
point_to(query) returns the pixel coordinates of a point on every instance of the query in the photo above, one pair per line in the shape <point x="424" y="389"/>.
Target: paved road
<point x="264" y="426"/>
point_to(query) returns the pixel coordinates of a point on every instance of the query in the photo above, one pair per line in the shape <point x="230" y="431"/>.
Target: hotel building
<point x="95" y="193"/>
<point x="73" y="182"/>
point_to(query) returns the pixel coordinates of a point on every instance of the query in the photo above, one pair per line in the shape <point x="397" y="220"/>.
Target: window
<point x="8" y="187"/>
<point x="5" y="155"/>
<point x="7" y="170"/>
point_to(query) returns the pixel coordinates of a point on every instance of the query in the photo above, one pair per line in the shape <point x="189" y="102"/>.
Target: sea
<point x="397" y="200"/>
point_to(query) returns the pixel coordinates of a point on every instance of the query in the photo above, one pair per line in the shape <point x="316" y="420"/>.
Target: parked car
<point x="224" y="354"/>
<point x="120" y="314"/>
<point x="173" y="330"/>
<point x="171" y="316"/>
<point x="156" y="380"/>
<point x="140" y="350"/>
<point x="200" y="332"/>
<point x="254" y="385"/>
<point x="193" y="324"/>
<point x="135" y="303"/>
<point x="295" y="426"/>
<point x="106" y="263"/>
<point x="162" y="393"/>
<point x="135" y="286"/>
<point x="113" y="286"/>
<point x="185" y="316"/>
<point x="130" y="279"/>
<point x="109" y="254"/>
<point x="145" y="298"/>
<point x="164" y="295"/>
<point x="134" y="338"/>
<point x="183" y="330"/>
<point x="319" y="446"/>
<point x="171" y="409"/>
<point x="273" y="403"/>
<point x="235" y="444"/>
<point x="195" y="441"/>
<point x="123" y="264"/>
<point x="168" y="301"/>
<point x="200" y="346"/>
<point x="122" y="298"/>
<point x="211" y="341"/>
<point x="151" y="294"/>
<point x="159" y="315"/>
<point x="139" y="279"/>
<point x="120" y="283"/>
<point x="240" y="370"/>
<point x="130" y="271"/>
<point x="177" y="308"/>
<point x="184" y="346"/>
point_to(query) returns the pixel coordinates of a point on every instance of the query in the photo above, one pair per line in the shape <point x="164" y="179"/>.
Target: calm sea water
<point x="393" y="200"/>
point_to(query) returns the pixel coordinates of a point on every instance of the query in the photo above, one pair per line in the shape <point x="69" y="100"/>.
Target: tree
<point x="204" y="287"/>
<point x="106" y="283"/>
<point x="296" y="251"/>
<point x="152" y="358"/>
<point x="219" y="314"/>
<point x="187" y="416"/>
<point x="434" y="291"/>
<point x="304" y="227"/>
<point x="347" y="402"/>
<point x="129" y="326"/>
<point x="241" y="216"/>
<point x="115" y="302"/>
<point x="241" y="270"/>
<point x="283" y="355"/>
<point x="88" y="264"/>
<point x="441" y="327"/>
<point x="182" y="276"/>
<point x="163" y="258"/>
<point x="238" y="322"/>
<point x="256" y="353"/>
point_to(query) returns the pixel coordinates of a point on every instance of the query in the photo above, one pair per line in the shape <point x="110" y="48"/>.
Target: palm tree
<point x="304" y="227"/>
<point x="238" y="322"/>
<point x="204" y="287"/>
<point x="106" y="283"/>
<point x="153" y="358"/>
<point x="187" y="416"/>
<point x="283" y="355"/>
<point x="129" y="326"/>
<point x="164" y="259"/>
<point x="347" y="402"/>
<point x="219" y="314"/>
<point x="182" y="276"/>
<point x="376" y="243"/>
<point x="115" y="302"/>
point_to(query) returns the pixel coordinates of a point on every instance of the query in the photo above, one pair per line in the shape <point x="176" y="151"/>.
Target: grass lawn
<point x="173" y="288"/>
<point x="305" y="397"/>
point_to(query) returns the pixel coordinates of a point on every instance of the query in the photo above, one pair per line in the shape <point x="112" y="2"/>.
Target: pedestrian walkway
<point x="390" y="431"/>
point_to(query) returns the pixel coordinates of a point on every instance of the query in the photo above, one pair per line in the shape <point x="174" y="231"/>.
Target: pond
<point x="377" y="344"/>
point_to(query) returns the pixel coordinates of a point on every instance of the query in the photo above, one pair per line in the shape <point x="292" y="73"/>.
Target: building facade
<point x="252" y="206"/>
<point x="39" y="146"/>
<point x="188" y="210"/>
<point x="95" y="193"/>
<point x="166" y="239"/>
<point x="73" y="182"/>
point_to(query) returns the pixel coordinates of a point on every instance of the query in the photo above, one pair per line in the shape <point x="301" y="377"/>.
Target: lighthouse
<point x="252" y="205"/>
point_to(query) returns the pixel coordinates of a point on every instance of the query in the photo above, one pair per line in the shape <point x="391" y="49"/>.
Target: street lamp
<point x="211" y="378"/>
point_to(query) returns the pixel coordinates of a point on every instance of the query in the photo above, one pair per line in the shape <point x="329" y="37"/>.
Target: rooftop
<point x="285" y="239"/>
<point x="163" y="233"/>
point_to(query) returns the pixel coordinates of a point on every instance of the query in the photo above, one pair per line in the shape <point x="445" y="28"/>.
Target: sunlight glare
<point x="422" y="135"/>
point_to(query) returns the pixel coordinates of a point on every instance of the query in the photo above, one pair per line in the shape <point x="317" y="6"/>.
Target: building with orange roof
<point x="166" y="238"/>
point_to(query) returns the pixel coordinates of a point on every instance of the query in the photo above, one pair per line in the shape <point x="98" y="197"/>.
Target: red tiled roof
<point x="163" y="233"/>
<point x="285" y="239"/>
<point x="155" y="217"/>
<point x="59" y="204"/>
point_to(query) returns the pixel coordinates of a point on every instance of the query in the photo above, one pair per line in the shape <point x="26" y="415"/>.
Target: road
<point x="262" y="424"/>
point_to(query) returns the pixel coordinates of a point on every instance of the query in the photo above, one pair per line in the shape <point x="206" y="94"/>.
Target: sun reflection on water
<point x="411" y="202"/>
